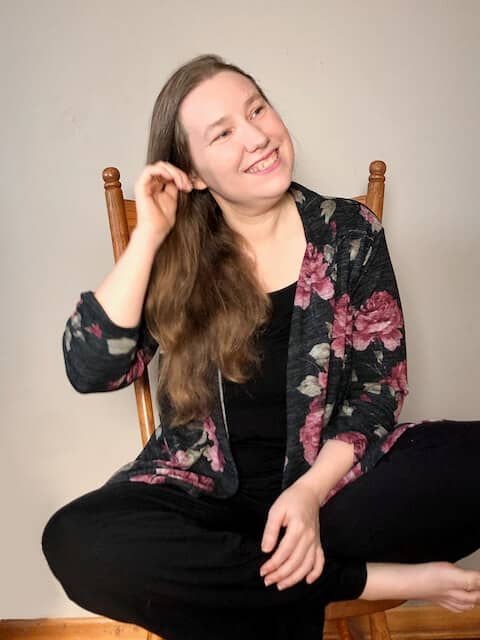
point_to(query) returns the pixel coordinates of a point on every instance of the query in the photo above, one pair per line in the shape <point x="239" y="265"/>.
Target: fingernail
<point x="267" y="582"/>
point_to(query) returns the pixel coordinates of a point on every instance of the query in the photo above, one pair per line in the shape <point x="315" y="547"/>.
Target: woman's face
<point x="223" y="153"/>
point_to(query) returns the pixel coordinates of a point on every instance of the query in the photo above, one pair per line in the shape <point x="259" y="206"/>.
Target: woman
<point x="282" y="371"/>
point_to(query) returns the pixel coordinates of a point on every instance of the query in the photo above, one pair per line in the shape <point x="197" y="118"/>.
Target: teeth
<point x="260" y="166"/>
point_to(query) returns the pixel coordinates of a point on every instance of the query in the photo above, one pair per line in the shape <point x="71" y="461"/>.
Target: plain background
<point x="354" y="82"/>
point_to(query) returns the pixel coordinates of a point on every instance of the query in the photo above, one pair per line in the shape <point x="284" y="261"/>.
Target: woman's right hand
<point x="156" y="196"/>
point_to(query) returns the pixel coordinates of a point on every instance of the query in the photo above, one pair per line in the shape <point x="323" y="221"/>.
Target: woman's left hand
<point x="300" y="553"/>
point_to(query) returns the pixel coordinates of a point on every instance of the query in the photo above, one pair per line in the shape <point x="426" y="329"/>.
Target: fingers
<point x="464" y="599"/>
<point x="295" y="569"/>
<point x="301" y="572"/>
<point x="289" y="555"/>
<point x="165" y="173"/>
<point x="272" y="530"/>
<point x="290" y="540"/>
<point x="454" y="606"/>
<point x="316" y="572"/>
<point x="179" y="177"/>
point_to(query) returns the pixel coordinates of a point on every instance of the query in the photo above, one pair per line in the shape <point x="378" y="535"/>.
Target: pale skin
<point x="258" y="206"/>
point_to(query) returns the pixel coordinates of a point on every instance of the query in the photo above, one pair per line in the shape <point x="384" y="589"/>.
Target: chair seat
<point x="352" y="608"/>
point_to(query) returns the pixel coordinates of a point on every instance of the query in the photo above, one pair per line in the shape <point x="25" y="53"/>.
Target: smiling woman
<point x="279" y="458"/>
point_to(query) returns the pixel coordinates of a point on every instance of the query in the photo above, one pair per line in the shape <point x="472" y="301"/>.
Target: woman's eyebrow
<point x="221" y="120"/>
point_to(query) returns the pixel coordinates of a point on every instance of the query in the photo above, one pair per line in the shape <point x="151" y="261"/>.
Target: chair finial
<point x="377" y="169"/>
<point x="111" y="177"/>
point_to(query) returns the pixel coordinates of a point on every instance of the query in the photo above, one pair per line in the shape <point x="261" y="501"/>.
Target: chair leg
<point x="379" y="626"/>
<point x="344" y="632"/>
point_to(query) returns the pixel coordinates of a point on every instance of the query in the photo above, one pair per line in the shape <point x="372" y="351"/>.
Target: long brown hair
<point x="203" y="303"/>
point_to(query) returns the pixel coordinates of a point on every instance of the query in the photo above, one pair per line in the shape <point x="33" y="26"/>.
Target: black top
<point x="256" y="410"/>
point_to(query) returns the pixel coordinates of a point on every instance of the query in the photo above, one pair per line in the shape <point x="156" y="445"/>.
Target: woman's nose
<point x="254" y="137"/>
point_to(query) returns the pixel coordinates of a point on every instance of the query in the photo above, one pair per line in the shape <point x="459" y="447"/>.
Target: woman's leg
<point x="419" y="504"/>
<point x="180" y="566"/>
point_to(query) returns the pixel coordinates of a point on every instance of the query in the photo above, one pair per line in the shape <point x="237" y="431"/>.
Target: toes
<point x="472" y="580"/>
<point x="464" y="598"/>
<point x="454" y="605"/>
<point x="451" y="606"/>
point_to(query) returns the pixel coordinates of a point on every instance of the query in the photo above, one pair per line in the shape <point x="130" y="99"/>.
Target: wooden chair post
<point x="376" y="188"/>
<point x="122" y="218"/>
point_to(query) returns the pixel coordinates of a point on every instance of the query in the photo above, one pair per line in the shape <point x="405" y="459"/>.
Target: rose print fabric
<point x="346" y="375"/>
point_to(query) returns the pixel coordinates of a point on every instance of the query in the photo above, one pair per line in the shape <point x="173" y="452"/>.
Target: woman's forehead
<point x="215" y="98"/>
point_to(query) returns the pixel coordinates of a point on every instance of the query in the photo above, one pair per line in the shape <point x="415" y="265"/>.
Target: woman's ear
<point x="197" y="182"/>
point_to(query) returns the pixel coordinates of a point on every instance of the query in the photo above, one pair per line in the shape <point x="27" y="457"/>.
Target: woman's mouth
<point x="269" y="163"/>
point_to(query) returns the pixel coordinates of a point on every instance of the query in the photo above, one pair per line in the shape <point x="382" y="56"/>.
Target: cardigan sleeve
<point x="99" y="354"/>
<point x="373" y="347"/>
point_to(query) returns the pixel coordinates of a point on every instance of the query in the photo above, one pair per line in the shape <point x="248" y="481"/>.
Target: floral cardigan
<point x="346" y="373"/>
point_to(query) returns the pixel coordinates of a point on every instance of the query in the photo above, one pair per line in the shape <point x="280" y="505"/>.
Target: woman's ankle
<point x="389" y="580"/>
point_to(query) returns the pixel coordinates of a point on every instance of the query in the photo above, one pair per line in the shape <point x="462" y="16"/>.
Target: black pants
<point x="188" y="568"/>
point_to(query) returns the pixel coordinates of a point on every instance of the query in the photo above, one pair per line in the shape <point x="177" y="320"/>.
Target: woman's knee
<point x="79" y="554"/>
<point x="66" y="539"/>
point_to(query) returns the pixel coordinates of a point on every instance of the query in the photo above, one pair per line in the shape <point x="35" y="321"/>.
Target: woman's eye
<point x="221" y="135"/>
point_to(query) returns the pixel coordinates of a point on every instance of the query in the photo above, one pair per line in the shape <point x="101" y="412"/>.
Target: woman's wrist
<point x="335" y="459"/>
<point x="146" y="239"/>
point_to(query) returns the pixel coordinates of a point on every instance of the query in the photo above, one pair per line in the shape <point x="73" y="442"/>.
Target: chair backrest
<point x="122" y="217"/>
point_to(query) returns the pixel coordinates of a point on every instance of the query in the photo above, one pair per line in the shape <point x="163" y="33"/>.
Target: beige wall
<point x="354" y="81"/>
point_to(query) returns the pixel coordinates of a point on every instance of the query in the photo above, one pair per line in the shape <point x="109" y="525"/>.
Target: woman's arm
<point x="106" y="344"/>
<point x="368" y="363"/>
<point x="122" y="293"/>
<point x="332" y="463"/>
<point x="374" y="366"/>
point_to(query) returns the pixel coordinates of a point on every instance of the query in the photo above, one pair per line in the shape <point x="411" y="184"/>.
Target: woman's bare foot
<point x="441" y="583"/>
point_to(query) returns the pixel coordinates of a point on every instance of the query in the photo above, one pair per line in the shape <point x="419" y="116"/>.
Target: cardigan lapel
<point x="309" y="340"/>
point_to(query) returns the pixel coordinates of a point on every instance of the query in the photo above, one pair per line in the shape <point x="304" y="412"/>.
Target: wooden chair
<point x="122" y="217"/>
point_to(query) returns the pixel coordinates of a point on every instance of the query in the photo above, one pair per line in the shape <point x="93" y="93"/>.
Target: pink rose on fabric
<point x="359" y="441"/>
<point x="400" y="398"/>
<point x="399" y="383"/>
<point x="342" y="325"/>
<point x="398" y="377"/>
<point x="312" y="278"/>
<point x="322" y="380"/>
<point x="114" y="384"/>
<point x="365" y="397"/>
<point x="149" y="478"/>
<point x="181" y="458"/>
<point x="135" y="371"/>
<point x="379" y="318"/>
<point x="311" y="430"/>
<point x="314" y="386"/>
<point x="195" y="479"/>
<point x="354" y="473"/>
<point x="138" y="365"/>
<point x="213" y="453"/>
<point x="94" y="329"/>
<point x="394" y="436"/>
<point x="370" y="217"/>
